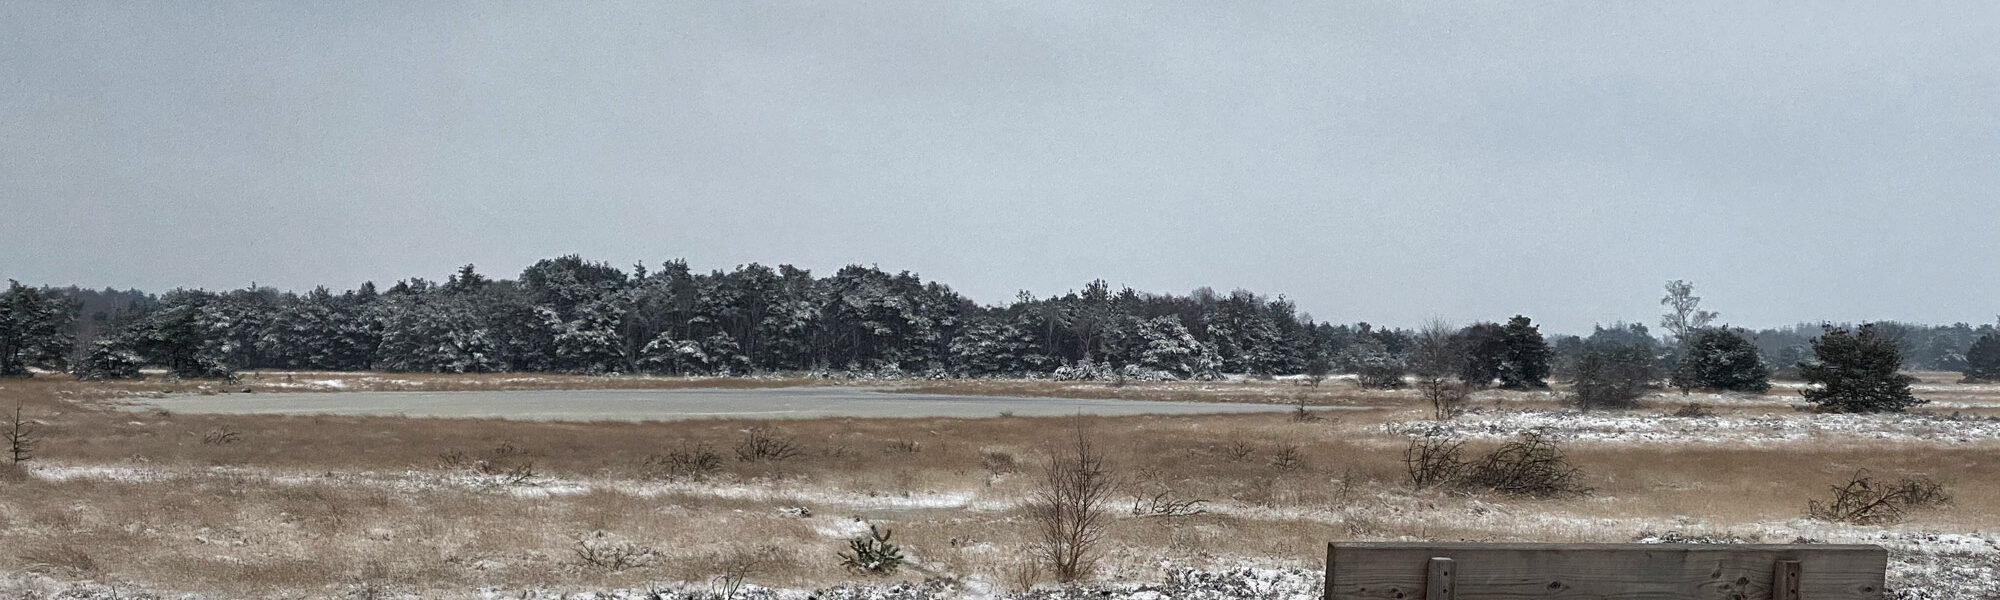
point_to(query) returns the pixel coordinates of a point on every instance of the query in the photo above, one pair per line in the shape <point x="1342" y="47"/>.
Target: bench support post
<point x="1785" y="580"/>
<point x="1439" y="586"/>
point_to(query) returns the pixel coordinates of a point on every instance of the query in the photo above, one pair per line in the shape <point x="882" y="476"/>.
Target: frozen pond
<point x="661" y="405"/>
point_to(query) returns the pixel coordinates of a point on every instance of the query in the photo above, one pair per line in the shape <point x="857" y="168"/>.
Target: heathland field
<point x="141" y="488"/>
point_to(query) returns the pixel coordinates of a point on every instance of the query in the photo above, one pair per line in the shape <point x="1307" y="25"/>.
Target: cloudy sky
<point x="1386" y="162"/>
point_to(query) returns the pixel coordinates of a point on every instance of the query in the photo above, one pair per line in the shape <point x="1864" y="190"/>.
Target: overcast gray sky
<point x="1386" y="162"/>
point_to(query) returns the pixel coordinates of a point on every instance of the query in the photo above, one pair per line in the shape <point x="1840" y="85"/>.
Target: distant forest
<point x="575" y="316"/>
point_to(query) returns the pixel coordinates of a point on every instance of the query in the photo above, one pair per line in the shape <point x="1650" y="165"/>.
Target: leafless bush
<point x="612" y="553"/>
<point x="1693" y="410"/>
<point x="998" y="462"/>
<point x="220" y="437"/>
<point x="1164" y="504"/>
<point x="733" y="568"/>
<point x="1069" y="509"/>
<point x="1023" y="574"/>
<point x="1435" y="359"/>
<point x="1446" y="396"/>
<point x="60" y="558"/>
<point x="1239" y="451"/>
<point x="1434" y="459"/>
<point x="1301" y="414"/>
<point x="504" y="465"/>
<point x="1287" y="458"/>
<point x="1530" y="466"/>
<point x="761" y="445"/>
<point x="902" y="447"/>
<point x="688" y="462"/>
<point x="1865" y="500"/>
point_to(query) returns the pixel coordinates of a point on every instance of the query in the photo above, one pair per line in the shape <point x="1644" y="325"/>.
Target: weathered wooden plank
<point x="1400" y="571"/>
<point x="1785" y="580"/>
<point x="1439" y="585"/>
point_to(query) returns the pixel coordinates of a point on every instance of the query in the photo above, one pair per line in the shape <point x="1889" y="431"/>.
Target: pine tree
<point x="1172" y="350"/>
<point x="1982" y="360"/>
<point x="34" y="329"/>
<point x="1614" y="368"/>
<point x="188" y="334"/>
<point x="1721" y="359"/>
<point x="110" y="357"/>
<point x="1481" y="348"/>
<point x="1525" y="365"/>
<point x="1857" y="373"/>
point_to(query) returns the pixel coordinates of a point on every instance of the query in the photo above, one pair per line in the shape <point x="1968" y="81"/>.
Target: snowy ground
<point x="1924" y="564"/>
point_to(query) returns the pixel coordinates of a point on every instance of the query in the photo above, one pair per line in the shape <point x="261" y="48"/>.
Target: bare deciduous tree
<point x="1684" y="315"/>
<point x="1435" y="359"/>
<point x="1070" y="509"/>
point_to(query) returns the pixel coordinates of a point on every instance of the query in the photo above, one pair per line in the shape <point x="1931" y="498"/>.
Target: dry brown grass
<point x="309" y="506"/>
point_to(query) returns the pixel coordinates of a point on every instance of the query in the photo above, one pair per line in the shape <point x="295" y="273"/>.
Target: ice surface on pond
<point x="650" y="405"/>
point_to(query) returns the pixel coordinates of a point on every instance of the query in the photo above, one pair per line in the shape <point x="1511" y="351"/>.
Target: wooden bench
<point x="1424" y="571"/>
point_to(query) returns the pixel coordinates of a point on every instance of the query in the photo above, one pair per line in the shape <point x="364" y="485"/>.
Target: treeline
<point x="575" y="316"/>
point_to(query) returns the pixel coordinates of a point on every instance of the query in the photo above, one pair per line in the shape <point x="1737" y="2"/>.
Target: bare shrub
<point x="688" y="462"/>
<point x="1239" y="451"/>
<point x="503" y="465"/>
<point x="1694" y="410"/>
<point x="761" y="445"/>
<point x="1287" y="458"/>
<point x="1301" y="414"/>
<point x="1069" y="509"/>
<point x="221" y="437"/>
<point x="998" y="462"/>
<point x="1164" y="504"/>
<point x="60" y="558"/>
<point x="1434" y="458"/>
<point x="1435" y="360"/>
<point x="733" y="568"/>
<point x="902" y="447"/>
<point x="872" y="554"/>
<point x="1865" y="500"/>
<point x="1318" y="369"/>
<point x="609" y="552"/>
<point x="1446" y="396"/>
<point x="1023" y="574"/>
<point x="1531" y="466"/>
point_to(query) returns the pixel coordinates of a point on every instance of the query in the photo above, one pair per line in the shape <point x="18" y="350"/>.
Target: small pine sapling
<point x="872" y="554"/>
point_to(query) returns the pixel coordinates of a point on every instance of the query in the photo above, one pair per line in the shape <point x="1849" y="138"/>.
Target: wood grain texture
<point x="1786" y="580"/>
<point x="1439" y="587"/>
<point x="1400" y="571"/>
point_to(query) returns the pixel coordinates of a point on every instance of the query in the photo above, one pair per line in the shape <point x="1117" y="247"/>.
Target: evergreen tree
<point x="110" y="357"/>
<point x="1375" y="366"/>
<point x="1720" y="359"/>
<point x="1171" y="349"/>
<point x="1857" y="373"/>
<point x="1482" y="347"/>
<point x="1615" y="367"/>
<point x="187" y="335"/>
<point x="34" y="329"/>
<point x="1525" y="365"/>
<point x="1982" y="360"/>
